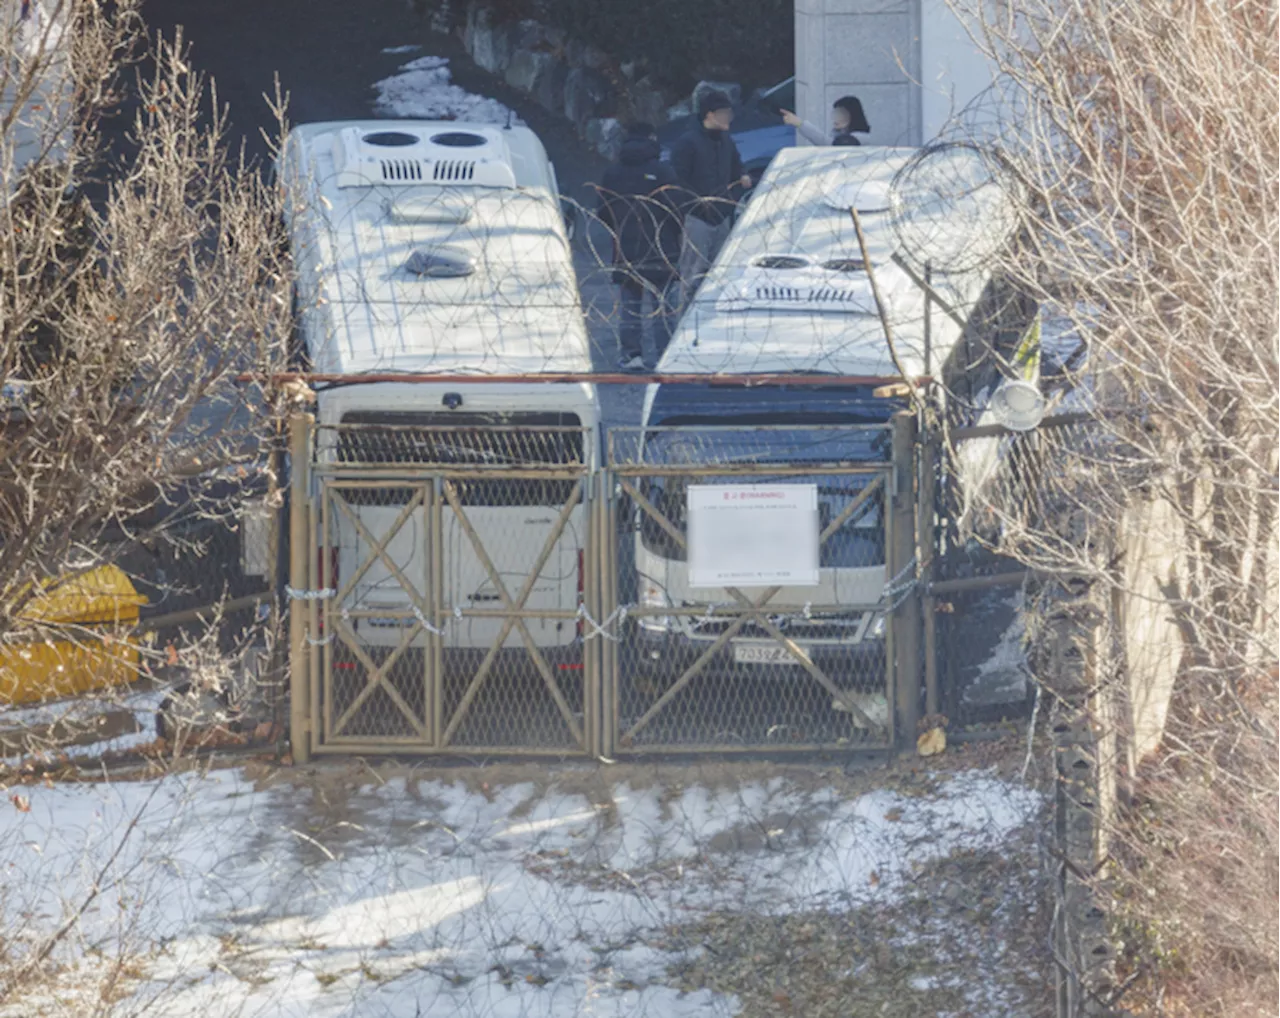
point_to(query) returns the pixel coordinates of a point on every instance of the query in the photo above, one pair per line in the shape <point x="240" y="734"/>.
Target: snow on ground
<point x="423" y="90"/>
<point x="435" y="897"/>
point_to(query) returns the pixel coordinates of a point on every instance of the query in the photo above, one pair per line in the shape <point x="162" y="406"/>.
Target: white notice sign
<point x="753" y="535"/>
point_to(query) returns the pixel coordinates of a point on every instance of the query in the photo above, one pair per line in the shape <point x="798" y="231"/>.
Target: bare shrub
<point x="138" y="278"/>
<point x="1143" y="142"/>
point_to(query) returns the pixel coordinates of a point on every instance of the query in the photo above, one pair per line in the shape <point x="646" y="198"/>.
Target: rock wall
<point x="563" y="75"/>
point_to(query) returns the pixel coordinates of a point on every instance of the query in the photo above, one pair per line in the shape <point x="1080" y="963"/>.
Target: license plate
<point x="763" y="654"/>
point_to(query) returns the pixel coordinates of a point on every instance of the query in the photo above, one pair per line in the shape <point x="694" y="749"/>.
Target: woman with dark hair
<point x="847" y="119"/>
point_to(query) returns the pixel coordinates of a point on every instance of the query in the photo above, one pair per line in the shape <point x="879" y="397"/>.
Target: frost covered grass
<point x="611" y="892"/>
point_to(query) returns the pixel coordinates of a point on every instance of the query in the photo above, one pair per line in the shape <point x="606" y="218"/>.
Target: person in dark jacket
<point x="639" y="204"/>
<point x="847" y="119"/>
<point x="710" y="169"/>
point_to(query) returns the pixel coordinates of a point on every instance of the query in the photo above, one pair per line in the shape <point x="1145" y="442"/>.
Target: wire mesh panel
<point x="995" y="486"/>
<point x="981" y="642"/>
<point x="790" y="664"/>
<point x="373" y="560"/>
<point x="514" y="565"/>
<point x="456" y="564"/>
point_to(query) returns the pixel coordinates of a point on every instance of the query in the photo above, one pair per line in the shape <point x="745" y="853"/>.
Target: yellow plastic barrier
<point x="99" y="652"/>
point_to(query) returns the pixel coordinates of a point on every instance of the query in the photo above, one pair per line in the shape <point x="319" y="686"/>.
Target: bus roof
<point x="427" y="246"/>
<point x="789" y="291"/>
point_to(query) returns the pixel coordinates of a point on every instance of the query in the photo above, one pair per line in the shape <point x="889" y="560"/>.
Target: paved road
<point x="328" y="54"/>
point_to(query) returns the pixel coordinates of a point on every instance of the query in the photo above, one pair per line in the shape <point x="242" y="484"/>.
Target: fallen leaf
<point x="874" y="879"/>
<point x="894" y="815"/>
<point x="932" y="742"/>
<point x="21" y="803"/>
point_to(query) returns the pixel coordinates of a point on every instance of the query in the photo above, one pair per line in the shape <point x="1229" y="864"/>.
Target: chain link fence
<point x="977" y="596"/>
<point x="483" y="588"/>
<point x="774" y="666"/>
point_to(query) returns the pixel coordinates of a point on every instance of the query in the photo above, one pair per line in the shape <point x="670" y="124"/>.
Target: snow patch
<point x="436" y="899"/>
<point x="1002" y="677"/>
<point x="423" y="90"/>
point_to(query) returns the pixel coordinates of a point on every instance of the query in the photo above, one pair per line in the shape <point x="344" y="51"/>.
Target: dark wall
<point x="682" y="41"/>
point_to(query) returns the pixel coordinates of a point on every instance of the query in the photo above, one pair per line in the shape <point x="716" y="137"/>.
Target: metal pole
<point x="926" y="545"/>
<point x="592" y="601"/>
<point x="276" y="566"/>
<point x="748" y="381"/>
<point x="299" y="721"/>
<point x="928" y="318"/>
<point x="433" y="614"/>
<point x="314" y="660"/>
<point x="609" y="582"/>
<point x="436" y="568"/>
<point x="906" y="618"/>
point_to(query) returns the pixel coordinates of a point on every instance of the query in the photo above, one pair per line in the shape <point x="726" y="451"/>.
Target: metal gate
<point x="452" y="570"/>
<point x="486" y="591"/>
<point x="765" y="668"/>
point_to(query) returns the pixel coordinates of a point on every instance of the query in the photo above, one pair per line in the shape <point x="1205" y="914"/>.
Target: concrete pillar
<point x="867" y="48"/>
<point x="913" y="63"/>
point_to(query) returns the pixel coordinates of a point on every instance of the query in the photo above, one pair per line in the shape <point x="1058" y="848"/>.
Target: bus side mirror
<point x="569" y="213"/>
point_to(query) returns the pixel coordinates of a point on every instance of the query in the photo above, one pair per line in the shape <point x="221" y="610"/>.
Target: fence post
<point x="609" y="650"/>
<point x="299" y="572"/>
<point x="905" y="620"/>
<point x="926" y="550"/>
<point x="275" y="570"/>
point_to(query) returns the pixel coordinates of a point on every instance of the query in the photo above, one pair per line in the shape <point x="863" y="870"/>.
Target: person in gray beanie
<point x="710" y="170"/>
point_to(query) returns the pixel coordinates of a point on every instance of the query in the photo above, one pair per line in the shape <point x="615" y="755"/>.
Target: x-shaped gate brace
<point x="513" y="607"/>
<point x="752" y="612"/>
<point x="376" y="675"/>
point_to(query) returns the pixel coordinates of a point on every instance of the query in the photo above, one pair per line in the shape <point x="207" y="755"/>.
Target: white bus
<point x="439" y="248"/>
<point x="790" y="293"/>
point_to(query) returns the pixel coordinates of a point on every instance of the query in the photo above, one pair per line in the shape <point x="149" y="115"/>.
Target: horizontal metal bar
<point x="1008" y="579"/>
<point x="158" y="622"/>
<point x="720" y="611"/>
<point x="993" y="430"/>
<point x="401" y="746"/>
<point x="388" y="430"/>
<point x="415" y="474"/>
<point x="719" y="429"/>
<point x="665" y="749"/>
<point x="509" y="613"/>
<point x="744" y="469"/>
<point x="349" y="742"/>
<point x="573" y="378"/>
